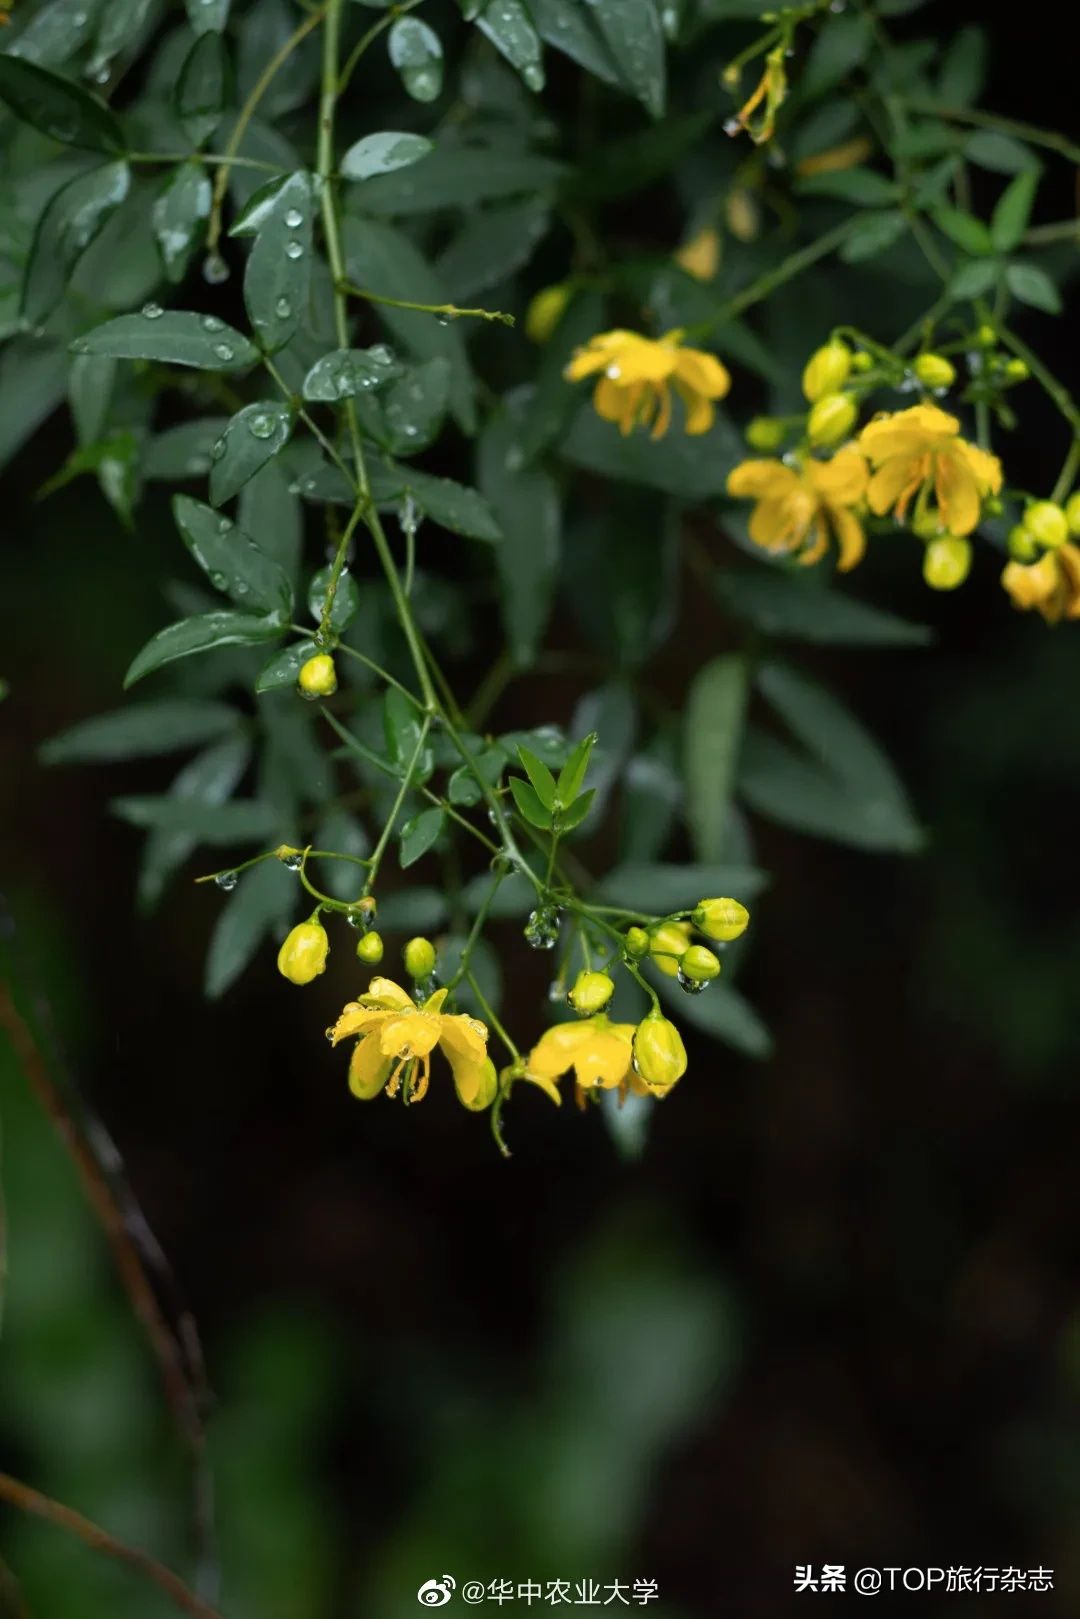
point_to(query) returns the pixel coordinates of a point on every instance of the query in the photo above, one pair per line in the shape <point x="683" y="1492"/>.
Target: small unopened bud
<point x="986" y="337"/>
<point x="303" y="955"/>
<point x="831" y="419"/>
<point x="591" y="993"/>
<point x="659" y="1053"/>
<point x="1046" y="522"/>
<point x="947" y="562"/>
<point x="861" y="360"/>
<point x="545" y="311"/>
<point x="722" y="919"/>
<point x="667" y="945"/>
<point x="419" y="957"/>
<point x="700" y="965"/>
<point x="369" y="949"/>
<point x="1023" y="547"/>
<point x="765" y="433"/>
<point x="934" y="371"/>
<point x="827" y="369"/>
<point x="1072" y="515"/>
<point x="1016" y="370"/>
<point x="636" y="941"/>
<point x="317" y="677"/>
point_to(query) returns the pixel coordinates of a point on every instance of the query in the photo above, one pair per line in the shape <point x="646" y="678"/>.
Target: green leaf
<point x="207" y="14"/>
<point x="490" y="245"/>
<point x="865" y="187"/>
<point x="60" y="109"/>
<point x="964" y="229"/>
<point x="346" y="598"/>
<point x="663" y="888"/>
<point x="790" y="605"/>
<point x="55" y="32"/>
<point x="418" y="56"/>
<point x="204" y="87"/>
<point x="231" y="559"/>
<point x="419" y="834"/>
<point x="1010" y="218"/>
<point x="401" y="727"/>
<point x="839" y="48"/>
<point x="90" y="386"/>
<point x="172" y="336"/>
<point x="71" y="220"/>
<point x="963" y="68"/>
<point x="409" y="417"/>
<point x="529" y="803"/>
<point x="240" y="821"/>
<point x="692" y="468"/>
<point x="120" y="30"/>
<point x="652" y="797"/>
<point x="712" y="736"/>
<point x="183" y="451"/>
<point x="178" y="216"/>
<point x="452" y="505"/>
<point x="1001" y="154"/>
<point x="1033" y="286"/>
<point x="258" y="906"/>
<point x="284" y="667"/>
<point x="571" y="818"/>
<point x="567" y="26"/>
<point x="974" y="278"/>
<point x="270" y="508"/>
<point x="456" y="176"/>
<point x="631" y="31"/>
<point x="344" y="373"/>
<point x="209" y="779"/>
<point x="872" y="233"/>
<point x="382" y="153"/>
<point x="202" y="633"/>
<point x="140" y="732"/>
<point x="525" y="501"/>
<point x="509" y="26"/>
<point x="381" y="260"/>
<point x="540" y="776"/>
<point x="723" y="1012"/>
<point x="553" y="400"/>
<point x="254" y="435"/>
<point x="277" y="280"/>
<point x="572" y="775"/>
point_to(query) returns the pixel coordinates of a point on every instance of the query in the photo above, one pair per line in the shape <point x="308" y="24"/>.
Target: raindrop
<point x="292" y="861"/>
<point x="226" y="880"/>
<point x="533" y="76"/>
<point x="262" y="426"/>
<point x="218" y="580"/>
<point x="217" y="450"/>
<point x="214" y="269"/>
<point x="732" y="126"/>
<point x="224" y="525"/>
<point x="152" y="311"/>
<point x="294" y="250"/>
<point x="442" y="320"/>
<point x="614" y="372"/>
<point x="283" y="309"/>
<point x="692" y="986"/>
<point x="210" y="323"/>
<point x="223" y="352"/>
<point x="294" y="219"/>
<point x="542" y="928"/>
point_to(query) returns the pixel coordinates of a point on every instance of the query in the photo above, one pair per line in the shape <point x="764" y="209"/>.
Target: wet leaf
<point x="277" y="280"/>
<point x="59" y="108"/>
<point x="204" y="87"/>
<point x="178" y="216"/>
<point x="201" y="633"/>
<point x="254" y="435"/>
<point x="70" y="222"/>
<point x="173" y="336"/>
<point x="383" y="153"/>
<point x="418" y="56"/>
<point x="231" y="560"/>
<point x="139" y="732"/>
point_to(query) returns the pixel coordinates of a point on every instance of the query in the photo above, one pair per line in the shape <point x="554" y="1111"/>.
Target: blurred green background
<point x="830" y="1315"/>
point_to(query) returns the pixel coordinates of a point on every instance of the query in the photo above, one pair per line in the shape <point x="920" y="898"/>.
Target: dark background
<point x="831" y="1315"/>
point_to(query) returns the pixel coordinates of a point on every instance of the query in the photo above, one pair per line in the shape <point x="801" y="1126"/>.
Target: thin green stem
<point x="406" y="782"/>
<point x="392" y="14"/>
<point x="1044" y="377"/>
<point x="1067" y="476"/>
<point x="476" y="929"/>
<point x="1007" y="126"/>
<point x="491" y="1016"/>
<point x="443" y="311"/>
<point x="787" y="270"/>
<point x="336" y="570"/>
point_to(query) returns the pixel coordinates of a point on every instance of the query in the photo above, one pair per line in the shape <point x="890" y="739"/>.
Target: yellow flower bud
<point x="1016" y="370"/>
<point x="637" y="941"/>
<point x="369" y="949"/>
<point x="700" y="256"/>
<point x="827" y="369"/>
<point x="303" y="955"/>
<point x="1023" y="546"/>
<point x="667" y="945"/>
<point x="722" y="919"/>
<point x="765" y="433"/>
<point x="861" y="360"/>
<point x="927" y="525"/>
<point x="1046" y="522"/>
<point x="419" y="957"/>
<point x="591" y="993"/>
<point x="831" y="419"/>
<point x="546" y="311"/>
<point x="742" y="215"/>
<point x="485" y="1092"/>
<point x="659" y="1053"/>
<point x="934" y="371"/>
<point x="317" y="677"/>
<point x="947" y="562"/>
<point x="986" y="337"/>
<point x="700" y="965"/>
<point x="1072" y="515"/>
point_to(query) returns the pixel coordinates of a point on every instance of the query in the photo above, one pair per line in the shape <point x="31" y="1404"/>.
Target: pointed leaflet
<point x="259" y="905"/>
<point x="203" y="88"/>
<point x="632" y="33"/>
<point x="202" y="633"/>
<point x="540" y="776"/>
<point x="71" y="220"/>
<point x="415" y="51"/>
<point x="382" y="153"/>
<point x="178" y="215"/>
<point x="210" y="778"/>
<point x="277" y="281"/>
<point x="253" y="437"/>
<point x="344" y="373"/>
<point x="174" y="336"/>
<point x="65" y="111"/>
<point x="510" y="28"/>
<point x="270" y="508"/>
<point x="526" y="504"/>
<point x="207" y="14"/>
<point x="419" y="834"/>
<point x="409" y="417"/>
<point x="138" y="732"/>
<point x="567" y="26"/>
<point x="231" y="559"/>
<point x="346" y="598"/>
<point x="715" y="715"/>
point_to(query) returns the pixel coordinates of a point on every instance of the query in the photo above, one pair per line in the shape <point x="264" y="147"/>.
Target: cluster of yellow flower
<point x="396" y="1032"/>
<point x="913" y="463"/>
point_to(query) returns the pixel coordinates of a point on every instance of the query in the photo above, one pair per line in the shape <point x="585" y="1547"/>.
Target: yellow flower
<point x="919" y="450"/>
<point x="1051" y="585"/>
<point x="772" y="90"/>
<point x="601" y="1054"/>
<point x="700" y="256"/>
<point x="397" y="1038"/>
<point x="799" y="507"/>
<point x="638" y="375"/>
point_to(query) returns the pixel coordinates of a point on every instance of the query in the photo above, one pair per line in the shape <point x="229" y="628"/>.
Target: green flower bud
<point x="1072" y="515"/>
<point x="1046" y="522"/>
<point x="765" y="433"/>
<point x="591" y="993"/>
<point x="1023" y="546"/>
<point x="637" y="941"/>
<point x="831" y="419"/>
<point x="827" y="369"/>
<point x="861" y="360"/>
<point x="1016" y="370"/>
<point x="303" y="955"/>
<point x="934" y="371"/>
<point x="317" y="677"/>
<point x="947" y="562"/>
<point x="722" y="919"/>
<point x="700" y="965"/>
<point x="986" y="337"/>
<point x="659" y="1054"/>
<point x="419" y="957"/>
<point x="369" y="949"/>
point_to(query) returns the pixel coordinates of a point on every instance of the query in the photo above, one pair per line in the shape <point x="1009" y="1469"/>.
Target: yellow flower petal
<point x="369" y="1070"/>
<point x="843" y="479"/>
<point x="761" y="480"/>
<point x="907" y="432"/>
<point x="850" y="537"/>
<point x="385" y="993"/>
<point x="702" y="372"/>
<point x="413" y="1035"/>
<point x="605" y="1060"/>
<point x="554" y="1052"/>
<point x="893" y="484"/>
<point x="957" y="492"/>
<point x="700" y="414"/>
<point x="356" y="1019"/>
